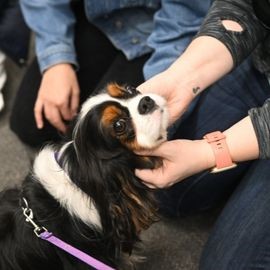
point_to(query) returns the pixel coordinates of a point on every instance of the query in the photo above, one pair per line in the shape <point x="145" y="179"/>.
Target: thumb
<point x="149" y="177"/>
<point x="145" y="174"/>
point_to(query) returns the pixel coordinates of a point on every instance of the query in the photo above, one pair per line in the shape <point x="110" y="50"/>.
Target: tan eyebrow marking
<point x="115" y="90"/>
<point x="109" y="114"/>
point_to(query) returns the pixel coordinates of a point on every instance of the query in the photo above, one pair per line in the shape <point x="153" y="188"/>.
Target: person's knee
<point x="23" y="133"/>
<point x="28" y="133"/>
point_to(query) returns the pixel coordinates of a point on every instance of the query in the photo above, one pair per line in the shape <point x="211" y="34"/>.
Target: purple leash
<point x="74" y="251"/>
<point x="43" y="233"/>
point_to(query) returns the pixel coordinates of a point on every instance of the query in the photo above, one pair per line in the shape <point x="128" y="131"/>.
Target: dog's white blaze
<point x="150" y="128"/>
<point x="58" y="184"/>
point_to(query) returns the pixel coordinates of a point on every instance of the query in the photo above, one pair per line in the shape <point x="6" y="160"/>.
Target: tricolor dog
<point x="81" y="206"/>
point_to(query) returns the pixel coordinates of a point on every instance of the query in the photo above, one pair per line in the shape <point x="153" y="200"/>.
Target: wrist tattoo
<point x="196" y="90"/>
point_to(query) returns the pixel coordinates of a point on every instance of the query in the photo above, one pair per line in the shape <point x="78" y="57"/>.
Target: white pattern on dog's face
<point x="150" y="128"/>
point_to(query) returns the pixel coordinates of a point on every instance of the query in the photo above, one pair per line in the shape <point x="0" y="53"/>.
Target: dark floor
<point x="168" y="244"/>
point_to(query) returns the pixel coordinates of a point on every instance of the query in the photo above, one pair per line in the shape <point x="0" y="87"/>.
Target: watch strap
<point x="217" y="140"/>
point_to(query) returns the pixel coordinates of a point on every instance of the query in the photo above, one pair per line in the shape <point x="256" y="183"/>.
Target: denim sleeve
<point x="260" y="118"/>
<point x="175" y="24"/>
<point x="242" y="43"/>
<point x="52" y="21"/>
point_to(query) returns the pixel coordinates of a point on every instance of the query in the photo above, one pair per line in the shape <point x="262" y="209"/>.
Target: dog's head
<point x="122" y="116"/>
<point x="101" y="158"/>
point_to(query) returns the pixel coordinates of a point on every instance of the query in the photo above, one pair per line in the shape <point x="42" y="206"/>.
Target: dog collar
<point x="43" y="233"/>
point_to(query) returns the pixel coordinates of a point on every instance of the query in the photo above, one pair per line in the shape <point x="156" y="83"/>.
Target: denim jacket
<point x="136" y="27"/>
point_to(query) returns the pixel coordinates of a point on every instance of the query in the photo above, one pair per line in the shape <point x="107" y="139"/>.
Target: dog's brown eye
<point x="120" y="126"/>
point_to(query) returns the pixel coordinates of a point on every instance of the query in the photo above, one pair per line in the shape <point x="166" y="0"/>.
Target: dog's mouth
<point x="163" y="123"/>
<point x="151" y="127"/>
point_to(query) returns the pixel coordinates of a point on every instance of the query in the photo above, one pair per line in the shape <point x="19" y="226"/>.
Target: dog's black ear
<point x="147" y="162"/>
<point x="121" y="92"/>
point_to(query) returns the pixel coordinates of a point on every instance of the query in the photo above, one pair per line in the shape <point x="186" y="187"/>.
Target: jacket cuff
<point x="56" y="55"/>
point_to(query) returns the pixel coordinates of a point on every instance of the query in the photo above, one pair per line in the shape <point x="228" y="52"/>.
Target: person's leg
<point x="95" y="54"/>
<point x="240" y="239"/>
<point x="218" y="108"/>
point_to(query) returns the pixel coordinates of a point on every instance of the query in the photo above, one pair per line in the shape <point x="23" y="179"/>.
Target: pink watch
<point x="221" y="151"/>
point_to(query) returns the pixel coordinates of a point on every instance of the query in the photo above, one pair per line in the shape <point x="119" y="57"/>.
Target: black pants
<point x="99" y="63"/>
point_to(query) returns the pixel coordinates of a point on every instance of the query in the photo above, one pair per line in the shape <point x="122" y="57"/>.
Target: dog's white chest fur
<point x="54" y="179"/>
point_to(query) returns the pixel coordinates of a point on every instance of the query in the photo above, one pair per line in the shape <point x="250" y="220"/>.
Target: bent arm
<point x="242" y="42"/>
<point x="216" y="51"/>
<point x="53" y="25"/>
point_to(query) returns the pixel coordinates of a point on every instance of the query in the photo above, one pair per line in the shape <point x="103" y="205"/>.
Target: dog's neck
<point x="57" y="183"/>
<point x="101" y="193"/>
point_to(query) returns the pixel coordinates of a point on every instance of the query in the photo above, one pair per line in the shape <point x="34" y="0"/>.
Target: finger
<point x="149" y="176"/>
<point x="66" y="112"/>
<point x="38" y="108"/>
<point x="143" y="88"/>
<point x="74" y="102"/>
<point x="53" y="115"/>
<point x="149" y="185"/>
<point x="153" y="178"/>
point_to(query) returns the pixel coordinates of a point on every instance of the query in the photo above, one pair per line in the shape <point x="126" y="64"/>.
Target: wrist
<point x="223" y="159"/>
<point x="242" y="141"/>
<point x="184" y="80"/>
<point x="195" y="71"/>
<point x="205" y="154"/>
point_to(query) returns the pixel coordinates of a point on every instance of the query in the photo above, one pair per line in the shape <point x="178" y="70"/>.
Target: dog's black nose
<point x="146" y="105"/>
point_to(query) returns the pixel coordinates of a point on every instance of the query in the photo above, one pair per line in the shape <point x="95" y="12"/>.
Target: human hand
<point x="181" y="159"/>
<point x="190" y="74"/>
<point x="170" y="87"/>
<point x="58" y="97"/>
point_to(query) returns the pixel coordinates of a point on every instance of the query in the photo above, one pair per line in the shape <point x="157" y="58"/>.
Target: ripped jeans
<point x="240" y="235"/>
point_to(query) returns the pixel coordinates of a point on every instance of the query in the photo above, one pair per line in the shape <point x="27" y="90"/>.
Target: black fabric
<point x="99" y="63"/>
<point x="260" y="120"/>
<point x="262" y="11"/>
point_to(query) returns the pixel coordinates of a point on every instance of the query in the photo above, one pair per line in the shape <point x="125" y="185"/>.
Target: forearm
<point x="216" y="51"/>
<point x="205" y="61"/>
<point x="242" y="141"/>
<point x="242" y="145"/>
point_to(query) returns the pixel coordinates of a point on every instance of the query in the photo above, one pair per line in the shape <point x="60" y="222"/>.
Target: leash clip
<point x="28" y="213"/>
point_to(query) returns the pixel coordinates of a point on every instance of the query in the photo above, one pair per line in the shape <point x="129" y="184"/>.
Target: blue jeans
<point x="240" y="239"/>
<point x="218" y="108"/>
